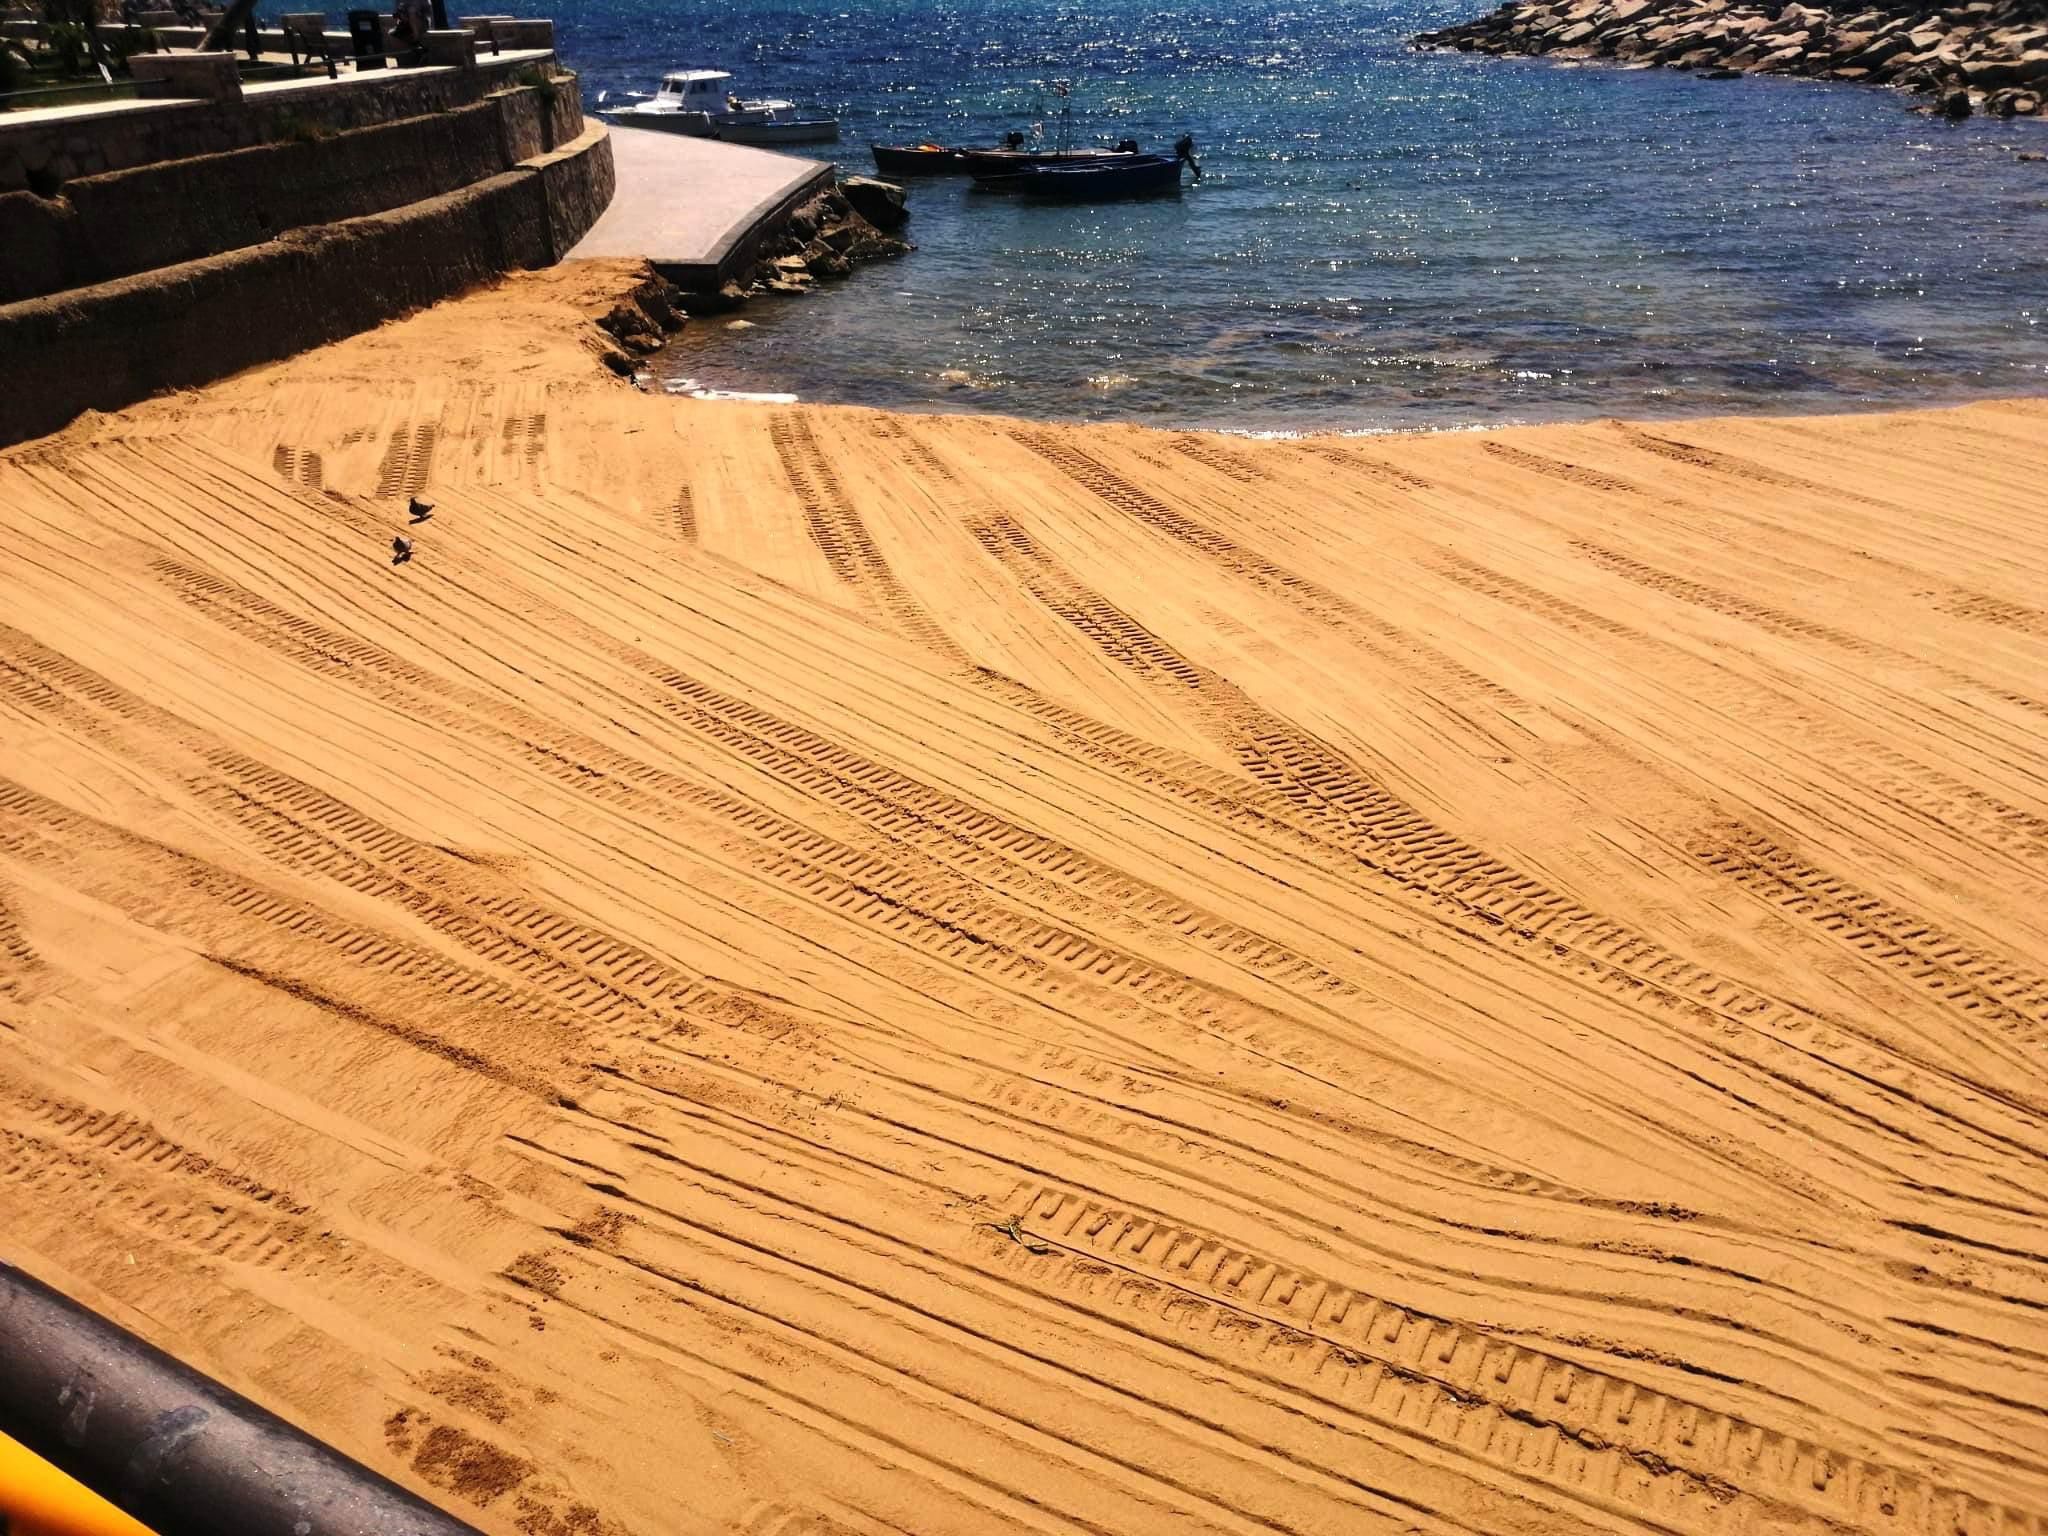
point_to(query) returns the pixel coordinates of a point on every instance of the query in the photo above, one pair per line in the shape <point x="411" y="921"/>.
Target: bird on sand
<point x="420" y="510"/>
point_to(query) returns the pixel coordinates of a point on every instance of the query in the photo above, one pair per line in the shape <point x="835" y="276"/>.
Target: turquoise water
<point x="1384" y="239"/>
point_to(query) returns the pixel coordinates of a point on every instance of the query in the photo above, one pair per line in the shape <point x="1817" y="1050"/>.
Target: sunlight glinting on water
<point x="1383" y="239"/>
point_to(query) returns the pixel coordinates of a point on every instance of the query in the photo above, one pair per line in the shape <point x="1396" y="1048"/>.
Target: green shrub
<point x="296" y="128"/>
<point x="70" y="45"/>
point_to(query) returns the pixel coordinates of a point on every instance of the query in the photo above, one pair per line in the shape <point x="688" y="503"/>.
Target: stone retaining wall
<point x="45" y="153"/>
<point x="107" y="346"/>
<point x="121" y="222"/>
<point x="1985" y="55"/>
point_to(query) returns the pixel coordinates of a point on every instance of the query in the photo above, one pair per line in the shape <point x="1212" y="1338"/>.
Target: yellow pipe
<point x="38" y="1500"/>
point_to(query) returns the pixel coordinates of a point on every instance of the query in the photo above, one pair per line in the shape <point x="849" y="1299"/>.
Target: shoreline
<point x="769" y="387"/>
<point x="1002" y="972"/>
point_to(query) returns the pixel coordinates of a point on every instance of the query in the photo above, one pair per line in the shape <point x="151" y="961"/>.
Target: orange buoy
<point x="38" y="1500"/>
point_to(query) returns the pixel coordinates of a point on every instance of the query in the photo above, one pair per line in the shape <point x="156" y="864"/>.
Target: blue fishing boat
<point x="1107" y="178"/>
<point x="1083" y="181"/>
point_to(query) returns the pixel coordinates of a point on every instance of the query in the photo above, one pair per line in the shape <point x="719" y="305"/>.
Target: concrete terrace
<point x="505" y="63"/>
<point x="697" y="208"/>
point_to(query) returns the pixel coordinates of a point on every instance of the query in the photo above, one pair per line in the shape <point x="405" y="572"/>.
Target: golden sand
<point x="805" y="970"/>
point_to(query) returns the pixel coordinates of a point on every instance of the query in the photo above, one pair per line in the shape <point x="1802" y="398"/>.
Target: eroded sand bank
<point x="802" y="970"/>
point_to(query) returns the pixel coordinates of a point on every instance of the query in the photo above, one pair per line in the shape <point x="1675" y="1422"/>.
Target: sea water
<point x="1382" y="239"/>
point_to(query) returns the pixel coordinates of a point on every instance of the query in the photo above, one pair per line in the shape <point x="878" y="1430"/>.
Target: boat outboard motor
<point x="1014" y="139"/>
<point x="1184" y="149"/>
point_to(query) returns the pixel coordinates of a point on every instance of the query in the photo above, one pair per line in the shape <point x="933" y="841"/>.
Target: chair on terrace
<point x="305" y="34"/>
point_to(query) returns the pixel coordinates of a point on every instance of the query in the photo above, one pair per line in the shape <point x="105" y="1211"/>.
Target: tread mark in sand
<point x="2007" y="995"/>
<point x="19" y="963"/>
<point x="583" y="968"/>
<point x="1438" y="670"/>
<point x="1771" y="620"/>
<point x="391" y="469"/>
<point x="1997" y="611"/>
<point x="526" y="434"/>
<point x="1225" y="461"/>
<point x="919" y="451"/>
<point x="836" y="527"/>
<point x="169" y="888"/>
<point x="1929" y="791"/>
<point x="420" y="465"/>
<point x="1371" y="468"/>
<point x="1714" y="461"/>
<point x="1596" y="1433"/>
<point x="1778" y="622"/>
<point x="1563" y="469"/>
<point x="1475" y="577"/>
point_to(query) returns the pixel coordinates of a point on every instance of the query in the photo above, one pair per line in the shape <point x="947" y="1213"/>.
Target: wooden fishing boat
<point x="929" y="159"/>
<point x="1106" y="178"/>
<point x="1000" y="162"/>
<point x="919" y="160"/>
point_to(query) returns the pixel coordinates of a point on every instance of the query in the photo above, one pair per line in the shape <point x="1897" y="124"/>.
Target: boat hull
<point x="807" y="131"/>
<point x="700" y="125"/>
<point x="983" y="163"/>
<point x="914" y="160"/>
<point x="1147" y="176"/>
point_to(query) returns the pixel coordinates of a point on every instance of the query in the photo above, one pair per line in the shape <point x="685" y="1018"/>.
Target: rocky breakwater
<point x="1987" y="56"/>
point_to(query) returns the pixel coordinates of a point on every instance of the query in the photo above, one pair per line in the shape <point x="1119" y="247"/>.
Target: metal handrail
<point x="127" y="86"/>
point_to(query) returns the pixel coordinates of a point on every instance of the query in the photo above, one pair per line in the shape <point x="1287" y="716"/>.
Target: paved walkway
<point x="695" y="207"/>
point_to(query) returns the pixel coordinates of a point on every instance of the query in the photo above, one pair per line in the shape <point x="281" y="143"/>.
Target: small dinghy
<point x="919" y="160"/>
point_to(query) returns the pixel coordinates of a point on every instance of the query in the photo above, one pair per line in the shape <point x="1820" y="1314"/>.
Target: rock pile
<point x="826" y="238"/>
<point x="639" y="322"/>
<point x="1985" y="56"/>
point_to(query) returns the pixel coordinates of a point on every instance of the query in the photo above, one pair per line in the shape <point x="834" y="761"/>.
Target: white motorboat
<point x="698" y="102"/>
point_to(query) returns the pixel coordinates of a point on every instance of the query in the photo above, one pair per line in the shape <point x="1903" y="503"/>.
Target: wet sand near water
<point x="805" y="970"/>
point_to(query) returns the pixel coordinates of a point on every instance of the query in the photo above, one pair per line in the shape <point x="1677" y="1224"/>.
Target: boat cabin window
<point x="697" y="92"/>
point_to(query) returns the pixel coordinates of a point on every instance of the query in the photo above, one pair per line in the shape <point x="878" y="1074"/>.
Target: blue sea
<point x="1383" y="239"/>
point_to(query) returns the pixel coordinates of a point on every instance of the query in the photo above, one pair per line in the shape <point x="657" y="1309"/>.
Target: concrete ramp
<point x="698" y="209"/>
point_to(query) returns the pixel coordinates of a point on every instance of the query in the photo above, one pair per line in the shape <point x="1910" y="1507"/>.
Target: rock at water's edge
<point x="881" y="203"/>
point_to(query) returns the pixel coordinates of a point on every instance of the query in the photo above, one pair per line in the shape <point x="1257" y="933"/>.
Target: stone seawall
<point x="106" y="346"/>
<point x="43" y="154"/>
<point x="122" y="222"/>
<point x="1987" y="56"/>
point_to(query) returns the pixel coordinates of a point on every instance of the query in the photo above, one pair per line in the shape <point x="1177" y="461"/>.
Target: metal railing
<point x="122" y="88"/>
<point x="105" y="90"/>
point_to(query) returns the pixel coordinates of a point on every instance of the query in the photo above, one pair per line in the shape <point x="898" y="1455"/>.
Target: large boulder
<point x="1996" y="74"/>
<point x="879" y="202"/>
<point x="1780" y="60"/>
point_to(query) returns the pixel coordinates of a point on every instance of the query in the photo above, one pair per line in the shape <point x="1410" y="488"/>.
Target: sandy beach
<point x="800" y="970"/>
